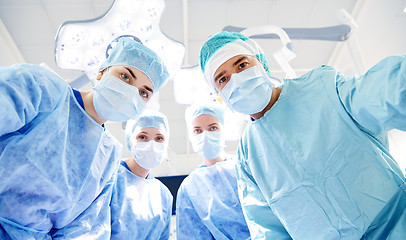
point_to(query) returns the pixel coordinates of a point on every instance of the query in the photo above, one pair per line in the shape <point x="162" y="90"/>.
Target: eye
<point x="159" y="139"/>
<point x="242" y="65"/>
<point x="144" y="93"/>
<point x="125" y="77"/>
<point x="142" y="138"/>
<point x="213" y="128"/>
<point x="222" y="80"/>
<point x="197" y="131"/>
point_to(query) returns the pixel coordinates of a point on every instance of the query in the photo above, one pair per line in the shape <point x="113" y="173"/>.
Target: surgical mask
<point x="249" y="91"/>
<point x="148" y="154"/>
<point x="208" y="144"/>
<point x="115" y="100"/>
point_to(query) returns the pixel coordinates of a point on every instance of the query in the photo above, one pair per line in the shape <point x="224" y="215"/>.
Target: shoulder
<point x="33" y="76"/>
<point x="34" y="71"/>
<point x="163" y="187"/>
<point x="188" y="182"/>
<point x="317" y="73"/>
<point x="164" y="190"/>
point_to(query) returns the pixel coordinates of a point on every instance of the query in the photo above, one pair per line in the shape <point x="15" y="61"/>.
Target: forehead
<point x="204" y="120"/>
<point x="150" y="131"/>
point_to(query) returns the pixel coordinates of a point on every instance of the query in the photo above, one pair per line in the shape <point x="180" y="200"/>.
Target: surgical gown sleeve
<point x="166" y="232"/>
<point x="94" y="222"/>
<point x="377" y="99"/>
<point x="23" y="93"/>
<point x="188" y="223"/>
<point x="262" y="222"/>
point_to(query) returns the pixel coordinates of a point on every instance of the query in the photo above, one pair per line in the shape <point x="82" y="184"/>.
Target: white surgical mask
<point x="249" y="91"/>
<point x="149" y="154"/>
<point x="208" y="144"/>
<point x="115" y="100"/>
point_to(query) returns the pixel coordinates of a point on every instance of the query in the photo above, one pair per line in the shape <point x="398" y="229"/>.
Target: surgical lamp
<point x="84" y="45"/>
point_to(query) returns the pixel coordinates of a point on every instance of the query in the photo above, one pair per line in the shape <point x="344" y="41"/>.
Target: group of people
<point x="313" y="162"/>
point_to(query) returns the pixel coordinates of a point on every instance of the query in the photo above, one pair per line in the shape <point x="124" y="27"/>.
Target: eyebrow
<point x="219" y="76"/>
<point x="148" y="88"/>
<point x="131" y="72"/>
<point x="213" y="124"/>
<point x="239" y="60"/>
<point x="197" y="128"/>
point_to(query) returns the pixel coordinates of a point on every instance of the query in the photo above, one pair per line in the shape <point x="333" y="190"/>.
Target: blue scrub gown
<point x="56" y="162"/>
<point x="317" y="165"/>
<point x="140" y="208"/>
<point x="207" y="205"/>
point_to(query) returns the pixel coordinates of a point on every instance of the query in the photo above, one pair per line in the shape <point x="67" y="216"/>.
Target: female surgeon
<point x="314" y="161"/>
<point x="207" y="204"/>
<point x="141" y="206"/>
<point x="56" y="158"/>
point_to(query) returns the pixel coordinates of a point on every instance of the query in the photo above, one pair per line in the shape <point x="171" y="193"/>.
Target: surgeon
<point x="56" y="157"/>
<point x="314" y="161"/>
<point x="207" y="203"/>
<point x="141" y="206"/>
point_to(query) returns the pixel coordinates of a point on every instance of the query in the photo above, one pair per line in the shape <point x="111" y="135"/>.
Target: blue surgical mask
<point x="149" y="154"/>
<point x="249" y="91"/>
<point x="114" y="100"/>
<point x="208" y="144"/>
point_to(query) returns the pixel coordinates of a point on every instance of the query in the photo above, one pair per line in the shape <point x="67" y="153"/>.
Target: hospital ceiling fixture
<point x="84" y="45"/>
<point x="345" y="32"/>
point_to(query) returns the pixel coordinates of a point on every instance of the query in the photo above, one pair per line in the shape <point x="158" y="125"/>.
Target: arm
<point x="166" y="232"/>
<point x="94" y="222"/>
<point x="188" y="223"/>
<point x="377" y="99"/>
<point x="261" y="221"/>
<point x="26" y="90"/>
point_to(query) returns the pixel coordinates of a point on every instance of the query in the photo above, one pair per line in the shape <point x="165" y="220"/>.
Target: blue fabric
<point x="55" y="160"/>
<point x="131" y="53"/>
<point x="317" y="165"/>
<point x="207" y="205"/>
<point x="140" y="208"/>
<point x="124" y="164"/>
<point x="94" y="222"/>
<point x="78" y="97"/>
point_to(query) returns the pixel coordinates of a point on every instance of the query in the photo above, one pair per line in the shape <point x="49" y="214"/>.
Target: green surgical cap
<point x="149" y="118"/>
<point x="216" y="42"/>
<point x="129" y="52"/>
<point x="236" y="43"/>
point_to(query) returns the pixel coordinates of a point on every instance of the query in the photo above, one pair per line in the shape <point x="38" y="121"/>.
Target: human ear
<point x="99" y="75"/>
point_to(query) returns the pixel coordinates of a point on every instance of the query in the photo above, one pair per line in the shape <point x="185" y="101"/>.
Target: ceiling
<point x="30" y="26"/>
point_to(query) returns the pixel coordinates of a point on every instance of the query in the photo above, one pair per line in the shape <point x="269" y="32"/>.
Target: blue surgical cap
<point x="224" y="45"/>
<point x="129" y="52"/>
<point x="214" y="109"/>
<point x="148" y="118"/>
